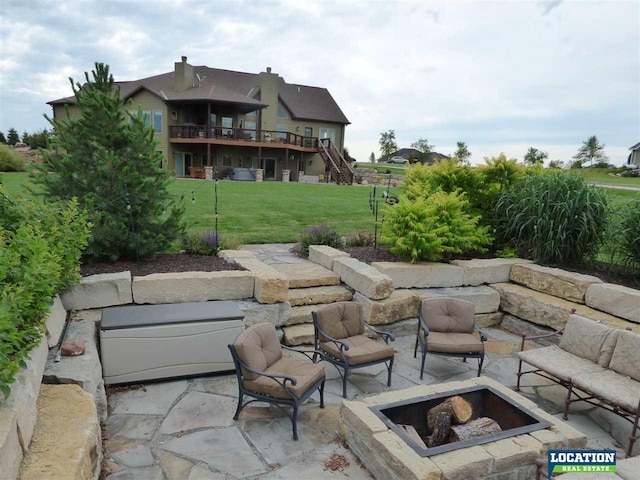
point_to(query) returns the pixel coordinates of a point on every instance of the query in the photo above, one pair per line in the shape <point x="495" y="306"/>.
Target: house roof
<point x="235" y="88"/>
<point x="405" y="152"/>
<point x="635" y="147"/>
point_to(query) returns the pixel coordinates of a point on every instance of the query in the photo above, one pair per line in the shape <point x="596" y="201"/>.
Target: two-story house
<point x="238" y="122"/>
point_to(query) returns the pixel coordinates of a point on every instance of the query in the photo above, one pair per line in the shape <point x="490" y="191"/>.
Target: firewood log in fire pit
<point x="480" y="427"/>
<point x="440" y="430"/>
<point x="457" y="407"/>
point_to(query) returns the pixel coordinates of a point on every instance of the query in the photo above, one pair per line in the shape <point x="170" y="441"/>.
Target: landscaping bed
<point x="162" y="263"/>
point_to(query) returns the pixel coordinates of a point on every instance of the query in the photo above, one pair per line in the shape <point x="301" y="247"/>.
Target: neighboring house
<point x="406" y="153"/>
<point x="415" y="155"/>
<point x="237" y="122"/>
<point x="634" y="156"/>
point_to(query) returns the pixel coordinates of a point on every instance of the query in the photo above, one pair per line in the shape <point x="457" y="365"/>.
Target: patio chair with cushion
<point x="339" y="332"/>
<point x="266" y="375"/>
<point x="446" y="327"/>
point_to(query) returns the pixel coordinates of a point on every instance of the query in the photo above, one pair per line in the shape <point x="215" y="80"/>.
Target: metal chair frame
<point x="582" y="395"/>
<point x="424" y="348"/>
<point x="343" y="361"/>
<point x="284" y="381"/>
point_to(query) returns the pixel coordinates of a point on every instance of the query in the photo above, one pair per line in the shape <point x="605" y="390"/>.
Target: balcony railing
<point x="242" y="134"/>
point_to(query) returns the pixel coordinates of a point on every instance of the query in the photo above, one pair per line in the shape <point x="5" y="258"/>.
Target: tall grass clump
<point x="554" y="218"/>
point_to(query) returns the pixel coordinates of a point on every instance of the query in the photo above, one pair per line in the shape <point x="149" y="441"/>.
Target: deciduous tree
<point x="591" y="150"/>
<point x="462" y="153"/>
<point x="423" y="145"/>
<point x="534" y="156"/>
<point x="388" y="144"/>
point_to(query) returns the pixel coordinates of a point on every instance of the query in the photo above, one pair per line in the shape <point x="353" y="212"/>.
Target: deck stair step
<point x="319" y="295"/>
<point x="304" y="275"/>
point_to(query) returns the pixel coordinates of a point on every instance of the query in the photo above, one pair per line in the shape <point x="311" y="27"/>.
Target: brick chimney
<point x="184" y="75"/>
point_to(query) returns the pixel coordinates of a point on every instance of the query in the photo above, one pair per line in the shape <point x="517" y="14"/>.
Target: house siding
<point x="146" y="100"/>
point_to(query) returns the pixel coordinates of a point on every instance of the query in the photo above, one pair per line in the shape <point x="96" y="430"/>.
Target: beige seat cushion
<point x="306" y="374"/>
<point x="557" y="362"/>
<point x="611" y="386"/>
<point x="628" y="468"/>
<point x="448" y="315"/>
<point x="453" y="343"/>
<point x="589" y="339"/>
<point x="258" y="347"/>
<point x="626" y="355"/>
<point x="341" y="320"/>
<point x="362" y="349"/>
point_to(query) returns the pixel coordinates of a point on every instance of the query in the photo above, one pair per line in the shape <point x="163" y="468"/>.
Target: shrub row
<point x="40" y="249"/>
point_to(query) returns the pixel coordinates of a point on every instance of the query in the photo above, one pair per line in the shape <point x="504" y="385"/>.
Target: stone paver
<point x="307" y="275"/>
<point x="188" y="429"/>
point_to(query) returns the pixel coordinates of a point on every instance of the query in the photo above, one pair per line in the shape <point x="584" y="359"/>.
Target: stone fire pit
<point x="388" y="456"/>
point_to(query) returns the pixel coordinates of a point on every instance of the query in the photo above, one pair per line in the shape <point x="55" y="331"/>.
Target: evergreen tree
<point x="372" y="157"/>
<point x="107" y="158"/>
<point x="25" y="137"/>
<point x="12" y="136"/>
<point x="3" y="138"/>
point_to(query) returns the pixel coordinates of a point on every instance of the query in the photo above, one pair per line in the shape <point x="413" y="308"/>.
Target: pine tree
<point x="12" y="136"/>
<point x="3" y="138"/>
<point x="107" y="158"/>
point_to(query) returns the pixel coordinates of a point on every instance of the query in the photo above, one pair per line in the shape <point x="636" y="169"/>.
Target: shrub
<point x="203" y="242"/>
<point x="40" y="248"/>
<point x="318" y="235"/>
<point x="10" y="160"/>
<point x="362" y="238"/>
<point x="555" y="218"/>
<point x="500" y="175"/>
<point x="433" y="228"/>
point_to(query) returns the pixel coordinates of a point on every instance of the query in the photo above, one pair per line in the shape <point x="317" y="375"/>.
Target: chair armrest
<point x="535" y="337"/>
<point x="483" y="334"/>
<point x="422" y="324"/>
<point x="306" y="353"/>
<point x="270" y="375"/>
<point x="385" y="335"/>
<point x="339" y="343"/>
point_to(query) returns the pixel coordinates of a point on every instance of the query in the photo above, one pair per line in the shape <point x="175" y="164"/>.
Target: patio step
<point x="319" y="295"/>
<point x="298" y="334"/>
<point x="301" y="314"/>
<point x="303" y="275"/>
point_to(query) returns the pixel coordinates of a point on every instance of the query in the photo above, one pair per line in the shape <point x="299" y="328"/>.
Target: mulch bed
<point x="163" y="263"/>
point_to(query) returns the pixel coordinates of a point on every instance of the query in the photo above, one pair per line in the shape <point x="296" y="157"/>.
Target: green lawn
<point x="601" y="176"/>
<point x="273" y="212"/>
<point x="394" y="168"/>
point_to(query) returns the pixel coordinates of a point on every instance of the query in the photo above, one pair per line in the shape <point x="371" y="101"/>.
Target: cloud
<point x="490" y="74"/>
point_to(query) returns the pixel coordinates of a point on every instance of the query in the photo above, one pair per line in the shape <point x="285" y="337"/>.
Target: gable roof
<point x="235" y="88"/>
<point x="635" y="147"/>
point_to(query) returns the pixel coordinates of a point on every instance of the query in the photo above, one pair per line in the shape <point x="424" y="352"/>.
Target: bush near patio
<point x="10" y="160"/>
<point x="433" y="228"/>
<point x="317" y="235"/>
<point x="40" y="247"/>
<point x="555" y="219"/>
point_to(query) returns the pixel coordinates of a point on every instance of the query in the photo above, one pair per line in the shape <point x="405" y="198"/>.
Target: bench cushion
<point x="306" y="374"/>
<point x="617" y="389"/>
<point x="559" y="363"/>
<point x="626" y="355"/>
<point x="589" y="339"/>
<point x="453" y="343"/>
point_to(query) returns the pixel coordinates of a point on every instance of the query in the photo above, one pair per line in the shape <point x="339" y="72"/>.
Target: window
<point x="213" y="119"/>
<point x="227" y="122"/>
<point x="250" y="129"/>
<point x="157" y="121"/>
<point x="226" y="160"/>
<point x="282" y="113"/>
<point x="328" y="133"/>
<point x="281" y="128"/>
<point x="253" y="114"/>
<point x="146" y="117"/>
<point x="308" y="132"/>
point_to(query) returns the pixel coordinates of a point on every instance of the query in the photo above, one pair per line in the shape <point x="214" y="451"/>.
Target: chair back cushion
<point x="341" y="320"/>
<point x="626" y="355"/>
<point x="448" y="315"/>
<point x="589" y="339"/>
<point x="258" y="347"/>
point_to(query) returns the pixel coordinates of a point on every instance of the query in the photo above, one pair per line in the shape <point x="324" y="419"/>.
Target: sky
<point x="500" y="76"/>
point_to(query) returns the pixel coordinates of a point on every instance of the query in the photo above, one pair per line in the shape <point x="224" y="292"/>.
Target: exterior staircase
<point x="340" y="170"/>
